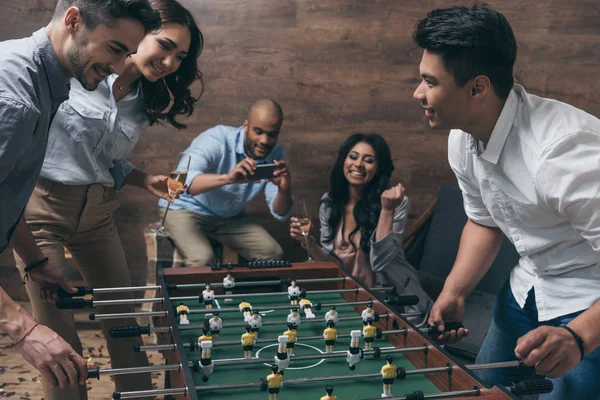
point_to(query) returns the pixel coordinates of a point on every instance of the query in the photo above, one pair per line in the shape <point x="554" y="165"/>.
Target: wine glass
<point x="176" y="181"/>
<point x="303" y="218"/>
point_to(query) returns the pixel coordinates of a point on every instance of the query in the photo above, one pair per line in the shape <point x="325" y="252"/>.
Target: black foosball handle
<point x="530" y="387"/>
<point x="81" y="291"/>
<point x="403" y="300"/>
<point x="129" y="331"/>
<point x="94" y="373"/>
<point x="73" y="304"/>
<point x="448" y="327"/>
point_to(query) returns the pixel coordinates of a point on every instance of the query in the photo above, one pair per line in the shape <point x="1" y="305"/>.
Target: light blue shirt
<point x="32" y="86"/>
<point x="217" y="151"/>
<point x="92" y="136"/>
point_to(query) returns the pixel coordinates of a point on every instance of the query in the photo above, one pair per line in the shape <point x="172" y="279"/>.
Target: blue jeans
<point x="509" y="323"/>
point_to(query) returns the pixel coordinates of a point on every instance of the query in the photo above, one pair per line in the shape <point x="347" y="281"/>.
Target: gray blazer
<point x="386" y="256"/>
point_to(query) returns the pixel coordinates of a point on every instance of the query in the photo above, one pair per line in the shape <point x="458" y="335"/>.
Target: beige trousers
<point x="80" y="218"/>
<point x="189" y="230"/>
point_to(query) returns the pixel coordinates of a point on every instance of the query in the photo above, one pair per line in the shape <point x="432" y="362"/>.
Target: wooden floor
<point x="19" y="380"/>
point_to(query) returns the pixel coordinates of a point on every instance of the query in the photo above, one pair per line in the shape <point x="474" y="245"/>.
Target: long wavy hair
<point x="367" y="209"/>
<point x="174" y="89"/>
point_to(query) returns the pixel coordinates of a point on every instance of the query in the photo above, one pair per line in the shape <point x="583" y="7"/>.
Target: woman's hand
<point x="392" y="198"/>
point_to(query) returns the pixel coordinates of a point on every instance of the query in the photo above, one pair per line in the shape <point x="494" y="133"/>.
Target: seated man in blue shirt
<point x="220" y="184"/>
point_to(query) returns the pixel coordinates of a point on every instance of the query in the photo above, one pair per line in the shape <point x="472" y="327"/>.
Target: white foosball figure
<point x="208" y="295"/>
<point x="353" y="354"/>
<point x="368" y="313"/>
<point x="331" y="315"/>
<point x="215" y="324"/>
<point x="281" y="359"/>
<point x="183" y="311"/>
<point x="307" y="307"/>
<point x="294" y="317"/>
<point x="255" y="322"/>
<point x="228" y="285"/>
<point x="206" y="364"/>
<point x="293" y="293"/>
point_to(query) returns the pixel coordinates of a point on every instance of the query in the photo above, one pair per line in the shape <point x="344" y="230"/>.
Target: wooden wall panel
<point x="338" y="67"/>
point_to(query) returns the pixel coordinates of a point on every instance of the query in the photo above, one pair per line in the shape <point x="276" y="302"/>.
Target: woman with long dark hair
<point x="363" y="219"/>
<point x="89" y="144"/>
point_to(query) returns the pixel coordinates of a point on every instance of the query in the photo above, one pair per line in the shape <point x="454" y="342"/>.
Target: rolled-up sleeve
<point x="462" y="166"/>
<point x="568" y="181"/>
<point x="119" y="172"/>
<point x="205" y="152"/>
<point x="17" y="124"/>
<point x="384" y="251"/>
<point x="324" y="214"/>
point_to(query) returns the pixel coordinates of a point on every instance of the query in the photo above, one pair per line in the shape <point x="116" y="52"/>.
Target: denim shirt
<point x="32" y="86"/>
<point x="92" y="136"/>
<point x="217" y="151"/>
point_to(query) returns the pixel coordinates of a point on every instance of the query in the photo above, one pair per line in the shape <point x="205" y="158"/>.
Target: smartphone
<point x="263" y="171"/>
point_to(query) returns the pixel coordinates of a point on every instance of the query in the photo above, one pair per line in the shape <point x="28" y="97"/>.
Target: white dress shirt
<point x="538" y="180"/>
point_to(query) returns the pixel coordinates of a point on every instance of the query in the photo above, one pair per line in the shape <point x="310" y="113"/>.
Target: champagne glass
<point x="176" y="182"/>
<point x="303" y="218"/>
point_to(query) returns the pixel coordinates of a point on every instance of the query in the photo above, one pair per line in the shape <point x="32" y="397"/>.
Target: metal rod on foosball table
<point x="147" y="393"/>
<point x="308" y="293"/>
<point x="257" y="283"/>
<point x="264" y="340"/>
<point x="97" y="372"/>
<point x="95" y="317"/>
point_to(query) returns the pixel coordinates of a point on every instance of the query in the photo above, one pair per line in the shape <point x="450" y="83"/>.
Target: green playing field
<point x="345" y="389"/>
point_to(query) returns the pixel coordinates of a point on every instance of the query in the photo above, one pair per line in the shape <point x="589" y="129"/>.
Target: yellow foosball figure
<point x="182" y="312"/>
<point x="248" y="340"/>
<point x="246" y="309"/>
<point x="205" y="336"/>
<point x="388" y="373"/>
<point x="307" y="307"/>
<point x="329" y="393"/>
<point x="292" y="334"/>
<point x="329" y="335"/>
<point x="275" y="382"/>
<point x="369" y="334"/>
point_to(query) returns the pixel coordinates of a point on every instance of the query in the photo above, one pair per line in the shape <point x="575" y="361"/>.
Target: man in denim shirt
<point x="223" y="160"/>
<point x="85" y="40"/>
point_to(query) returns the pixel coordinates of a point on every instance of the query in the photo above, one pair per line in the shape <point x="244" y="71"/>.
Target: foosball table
<point x="289" y="332"/>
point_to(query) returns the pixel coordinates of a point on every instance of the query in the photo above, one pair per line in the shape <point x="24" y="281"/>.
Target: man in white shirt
<point x="529" y="168"/>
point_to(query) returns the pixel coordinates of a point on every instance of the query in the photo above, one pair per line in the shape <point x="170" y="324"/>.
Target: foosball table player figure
<point x="209" y="296"/>
<point x="248" y="339"/>
<point x="330" y="334"/>
<point x="206" y="364"/>
<point x="215" y="324"/>
<point x="245" y="309"/>
<point x="354" y="353"/>
<point x="255" y="322"/>
<point x="182" y="312"/>
<point x="329" y="393"/>
<point x="275" y="382"/>
<point x="368" y="313"/>
<point x="205" y="335"/>
<point x="292" y="335"/>
<point x="293" y="293"/>
<point x="294" y="317"/>
<point x="369" y="334"/>
<point x="282" y="360"/>
<point x="306" y="306"/>
<point x="228" y="285"/>
<point x="388" y="373"/>
<point x="331" y="315"/>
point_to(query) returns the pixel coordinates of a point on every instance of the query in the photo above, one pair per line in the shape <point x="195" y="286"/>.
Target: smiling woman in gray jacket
<point x="363" y="220"/>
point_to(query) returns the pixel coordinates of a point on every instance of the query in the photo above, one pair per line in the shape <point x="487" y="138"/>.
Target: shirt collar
<point x="56" y="80"/>
<point x="502" y="128"/>
<point x="241" y="151"/>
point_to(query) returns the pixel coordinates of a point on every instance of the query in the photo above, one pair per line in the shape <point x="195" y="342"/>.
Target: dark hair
<point x="108" y="12"/>
<point x="329" y="389"/>
<point x="472" y="41"/>
<point x="367" y="209"/>
<point x="175" y="87"/>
